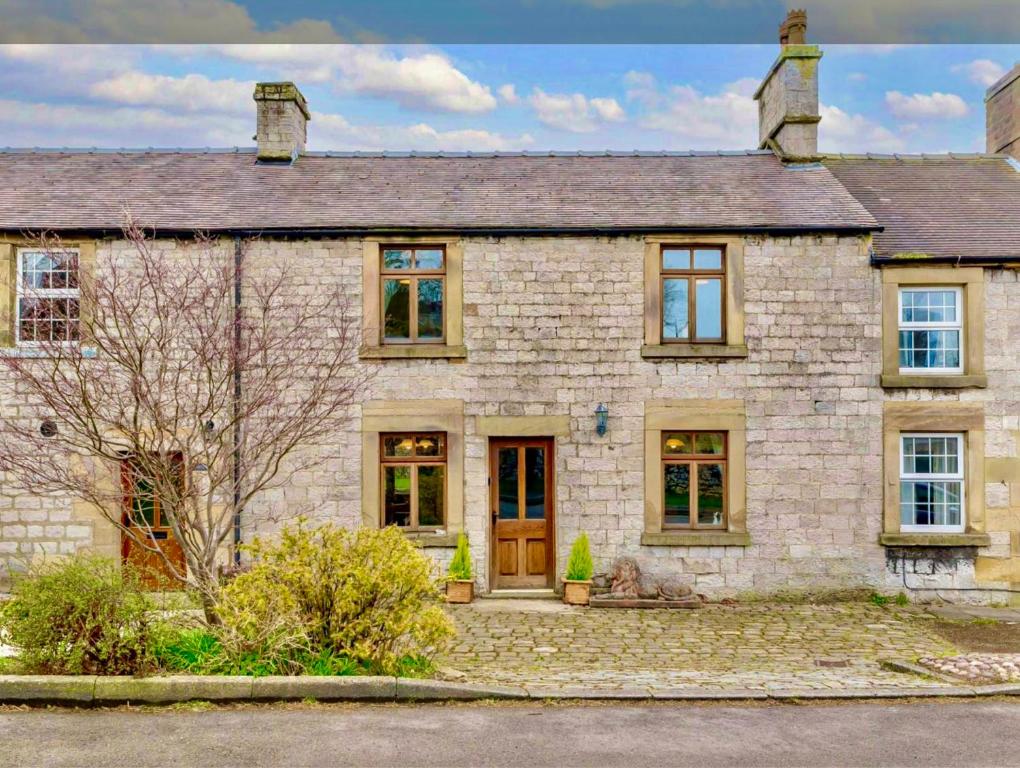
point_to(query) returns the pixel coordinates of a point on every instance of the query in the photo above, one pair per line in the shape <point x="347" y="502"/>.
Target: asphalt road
<point x="957" y="734"/>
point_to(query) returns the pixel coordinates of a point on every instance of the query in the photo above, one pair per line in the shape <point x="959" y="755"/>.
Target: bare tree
<point x="173" y="391"/>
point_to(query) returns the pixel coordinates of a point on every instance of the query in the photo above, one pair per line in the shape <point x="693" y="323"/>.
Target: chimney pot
<point x="281" y="121"/>
<point x="793" y="30"/>
<point x="1002" y="115"/>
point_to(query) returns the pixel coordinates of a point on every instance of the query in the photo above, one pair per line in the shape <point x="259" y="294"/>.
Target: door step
<point x="520" y="594"/>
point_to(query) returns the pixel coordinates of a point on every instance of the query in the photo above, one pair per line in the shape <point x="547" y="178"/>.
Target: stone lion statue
<point x="629" y="583"/>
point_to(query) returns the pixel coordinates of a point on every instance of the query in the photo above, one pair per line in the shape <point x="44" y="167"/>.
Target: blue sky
<point x="921" y="98"/>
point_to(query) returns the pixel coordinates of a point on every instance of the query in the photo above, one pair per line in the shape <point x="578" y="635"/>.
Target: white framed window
<point x="931" y="330"/>
<point x="931" y="482"/>
<point x="48" y="297"/>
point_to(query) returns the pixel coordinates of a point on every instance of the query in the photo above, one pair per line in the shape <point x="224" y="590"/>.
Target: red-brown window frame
<point x="691" y="275"/>
<point x="693" y="460"/>
<point x="413" y="274"/>
<point x="439" y="460"/>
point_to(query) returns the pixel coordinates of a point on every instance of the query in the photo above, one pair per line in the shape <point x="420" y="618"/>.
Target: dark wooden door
<point x="521" y="483"/>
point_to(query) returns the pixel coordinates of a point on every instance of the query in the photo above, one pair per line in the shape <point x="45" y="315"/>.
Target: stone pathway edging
<point x="97" y="690"/>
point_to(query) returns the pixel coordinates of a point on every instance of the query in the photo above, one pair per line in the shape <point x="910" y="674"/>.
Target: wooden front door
<point x="521" y="487"/>
<point x="143" y="514"/>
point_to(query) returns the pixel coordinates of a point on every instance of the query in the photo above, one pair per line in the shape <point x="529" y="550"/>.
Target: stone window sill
<point x="935" y="540"/>
<point x="427" y="539"/>
<point x="40" y="352"/>
<point x="414" y="352"/>
<point x="951" y="381"/>
<point x="692" y="351"/>
<point x="695" y="539"/>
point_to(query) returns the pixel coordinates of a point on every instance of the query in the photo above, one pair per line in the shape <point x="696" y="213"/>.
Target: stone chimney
<point x="282" y="122"/>
<point x="1002" y="115"/>
<point x="788" y="96"/>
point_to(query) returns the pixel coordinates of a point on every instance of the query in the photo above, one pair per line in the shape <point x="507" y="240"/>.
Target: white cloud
<point x="984" y="72"/>
<point x="508" y="93"/>
<point x="574" y="112"/>
<point x="332" y="131"/>
<point x="113" y="21"/>
<point x="426" y="80"/>
<point x="840" y="131"/>
<point x="925" y="106"/>
<point x="191" y="93"/>
<point x="38" y="124"/>
<point x="856" y="77"/>
<point x="727" y="120"/>
<point x="642" y="88"/>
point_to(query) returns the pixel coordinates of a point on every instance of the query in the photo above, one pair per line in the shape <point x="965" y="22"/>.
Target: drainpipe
<point x="237" y="401"/>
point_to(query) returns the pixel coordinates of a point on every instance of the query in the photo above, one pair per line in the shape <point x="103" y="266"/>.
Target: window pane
<point x="929" y="306"/>
<point x="676" y="258"/>
<point x="931" y="503"/>
<point x="396" y="308"/>
<point x="677" y="443"/>
<point x="674" y="309"/>
<point x="708" y="258"/>
<point x="428" y="259"/>
<point x="534" y="483"/>
<point x="397" y="446"/>
<point x="708" y="322"/>
<point x="930" y="349"/>
<point x="431" y="492"/>
<point x="397" y="495"/>
<point x="709" y="442"/>
<point x="931" y="455"/>
<point x="710" y="494"/>
<point x="396" y="259"/>
<point x="429" y="445"/>
<point x="143" y="503"/>
<point x="677" y="484"/>
<point x="508" y="484"/>
<point x="430" y="309"/>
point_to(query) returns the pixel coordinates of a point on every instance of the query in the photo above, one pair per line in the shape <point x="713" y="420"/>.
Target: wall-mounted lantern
<point x="601" y="419"/>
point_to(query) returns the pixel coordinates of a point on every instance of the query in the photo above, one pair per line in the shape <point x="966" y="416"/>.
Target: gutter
<point x="341" y="232"/>
<point x="959" y="261"/>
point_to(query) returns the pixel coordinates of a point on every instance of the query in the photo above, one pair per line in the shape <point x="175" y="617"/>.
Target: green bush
<point x="368" y="596"/>
<point x="81" y="615"/>
<point x="580" y="566"/>
<point x="460" y="565"/>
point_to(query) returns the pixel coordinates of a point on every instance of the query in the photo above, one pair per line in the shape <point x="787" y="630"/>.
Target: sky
<point x="875" y="98"/>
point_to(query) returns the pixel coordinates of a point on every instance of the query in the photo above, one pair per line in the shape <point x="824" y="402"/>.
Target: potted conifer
<point x="460" y="585"/>
<point x="577" y="581"/>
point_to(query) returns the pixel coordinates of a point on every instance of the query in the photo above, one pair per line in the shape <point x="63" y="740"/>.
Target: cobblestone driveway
<point x="739" y="647"/>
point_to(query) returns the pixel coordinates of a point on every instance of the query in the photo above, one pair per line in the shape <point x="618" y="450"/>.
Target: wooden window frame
<point x="733" y="345"/>
<point x="960" y="476"/>
<point x="414" y="462"/>
<point x="414" y="275"/>
<point x="691" y="275"/>
<point x="21" y="292"/>
<point x="692" y="416"/>
<point x="693" y="460"/>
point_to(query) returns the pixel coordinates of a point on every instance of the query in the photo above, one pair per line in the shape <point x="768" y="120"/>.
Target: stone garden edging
<point x="88" y="690"/>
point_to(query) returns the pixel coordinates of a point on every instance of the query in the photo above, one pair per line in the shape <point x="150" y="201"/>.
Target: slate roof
<point x="187" y="190"/>
<point x="950" y="206"/>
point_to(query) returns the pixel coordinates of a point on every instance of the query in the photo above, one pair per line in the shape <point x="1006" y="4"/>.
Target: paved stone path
<point x="977" y="667"/>
<point x="757" y="647"/>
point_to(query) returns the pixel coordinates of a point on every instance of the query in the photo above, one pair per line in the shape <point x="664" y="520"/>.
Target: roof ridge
<point x="914" y="157"/>
<point x="395" y="153"/>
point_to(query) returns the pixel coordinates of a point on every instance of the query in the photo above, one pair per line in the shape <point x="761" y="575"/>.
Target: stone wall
<point x="553" y="326"/>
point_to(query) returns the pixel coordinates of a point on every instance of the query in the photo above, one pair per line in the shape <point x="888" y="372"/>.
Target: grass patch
<point x="9" y="665"/>
<point x="198" y="652"/>
<point x="980" y="635"/>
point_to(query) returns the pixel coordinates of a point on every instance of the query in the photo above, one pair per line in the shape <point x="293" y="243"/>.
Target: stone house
<point x="759" y="370"/>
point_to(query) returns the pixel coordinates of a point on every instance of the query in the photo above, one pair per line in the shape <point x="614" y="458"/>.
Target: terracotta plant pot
<point x="460" y="591"/>
<point x="576" y="592"/>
